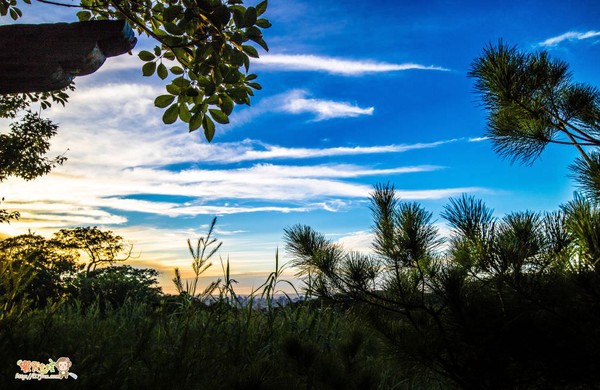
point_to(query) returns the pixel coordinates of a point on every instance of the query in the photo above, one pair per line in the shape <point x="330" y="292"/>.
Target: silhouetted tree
<point x="49" y="268"/>
<point x="100" y="247"/>
<point x="113" y="286"/>
<point x="532" y="102"/>
<point x="501" y="308"/>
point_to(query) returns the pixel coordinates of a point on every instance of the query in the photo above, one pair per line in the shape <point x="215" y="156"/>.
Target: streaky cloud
<point x="299" y="101"/>
<point x="269" y="152"/>
<point x="570" y="36"/>
<point x="325" y="109"/>
<point x="339" y="66"/>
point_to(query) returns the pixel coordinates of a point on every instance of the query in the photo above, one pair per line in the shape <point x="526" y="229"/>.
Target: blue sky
<point x="354" y="93"/>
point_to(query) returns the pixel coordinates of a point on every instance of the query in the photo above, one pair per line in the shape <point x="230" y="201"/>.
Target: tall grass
<point x="204" y="338"/>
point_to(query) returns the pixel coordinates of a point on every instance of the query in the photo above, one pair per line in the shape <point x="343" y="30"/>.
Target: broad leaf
<point x="219" y="116"/>
<point x="148" y="68"/>
<point x="209" y="128"/>
<point x="163" y="101"/>
<point x="171" y="114"/>
<point x="146" y="55"/>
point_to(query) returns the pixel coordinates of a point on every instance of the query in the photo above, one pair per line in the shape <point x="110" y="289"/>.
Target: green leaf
<point x="232" y="76"/>
<point x="250" y="17"/>
<point x="209" y="128"/>
<point x="148" y="68"/>
<point x="214" y="99"/>
<point x="255" y="86"/>
<point x="169" y="55"/>
<point x="163" y="101"/>
<point x="184" y="113"/>
<point x="161" y="71"/>
<point x="219" y="116"/>
<point x="253" y="33"/>
<point x="261" y="7"/>
<point x="238" y="16"/>
<point x="196" y="121"/>
<point x="239" y="95"/>
<point x="84" y="16"/>
<point x="222" y="15"/>
<point x="13" y="13"/>
<point x="173" y="29"/>
<point x="263" y="44"/>
<point x="181" y="82"/>
<point x="176" y="70"/>
<point x="264" y="23"/>
<point x="171" y="13"/>
<point x="250" y="50"/>
<point x="146" y="55"/>
<point x="226" y="104"/>
<point x="209" y="89"/>
<point x="173" y="89"/>
<point x="171" y="114"/>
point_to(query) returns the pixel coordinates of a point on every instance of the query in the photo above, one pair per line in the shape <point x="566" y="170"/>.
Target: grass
<point x="198" y="347"/>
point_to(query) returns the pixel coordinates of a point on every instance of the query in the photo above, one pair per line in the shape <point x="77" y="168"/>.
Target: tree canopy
<point x="499" y="308"/>
<point x="532" y="102"/>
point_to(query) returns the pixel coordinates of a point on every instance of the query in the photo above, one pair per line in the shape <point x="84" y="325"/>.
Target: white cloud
<point x="121" y="63"/>
<point x="118" y="149"/>
<point x="335" y="65"/>
<point x="299" y="101"/>
<point x="85" y="195"/>
<point x="570" y="36"/>
<point x="325" y="109"/>
<point x="440" y="193"/>
<point x="361" y="241"/>
<point x="118" y="126"/>
<point x="246" y="151"/>
<point x="478" y="139"/>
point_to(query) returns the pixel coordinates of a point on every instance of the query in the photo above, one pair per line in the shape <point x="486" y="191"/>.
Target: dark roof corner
<point x="46" y="57"/>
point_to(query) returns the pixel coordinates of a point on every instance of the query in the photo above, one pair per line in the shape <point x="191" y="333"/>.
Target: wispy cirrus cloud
<point x="478" y="139"/>
<point x="249" y="152"/>
<point x="339" y="66"/>
<point x="570" y="36"/>
<point x="300" y="101"/>
<point x="102" y="195"/>
<point x="116" y="125"/>
<point x="325" y="109"/>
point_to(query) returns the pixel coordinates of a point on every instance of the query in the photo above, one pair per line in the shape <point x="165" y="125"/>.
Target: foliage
<point x="46" y="267"/>
<point x="204" y="45"/>
<point x="202" y="252"/>
<point x="532" y="102"/>
<point x="501" y="309"/>
<point x="113" y="286"/>
<point x="126" y="338"/>
<point x="214" y="348"/>
<point x="23" y="150"/>
<point x="53" y="270"/>
<point x="100" y="247"/>
<point x="7" y="216"/>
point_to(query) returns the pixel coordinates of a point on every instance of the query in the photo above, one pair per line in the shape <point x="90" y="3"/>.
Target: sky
<point x="355" y="93"/>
